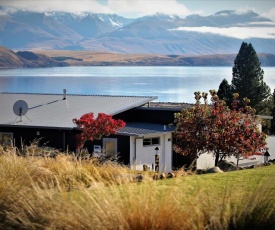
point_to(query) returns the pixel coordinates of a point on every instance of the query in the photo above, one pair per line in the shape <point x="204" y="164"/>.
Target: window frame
<point x="150" y="141"/>
<point x="2" y="143"/>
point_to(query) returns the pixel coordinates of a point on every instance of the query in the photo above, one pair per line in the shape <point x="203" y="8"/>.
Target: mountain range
<point x="154" y="34"/>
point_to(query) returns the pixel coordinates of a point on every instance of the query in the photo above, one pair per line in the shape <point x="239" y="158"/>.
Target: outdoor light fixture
<point x="157" y="160"/>
<point x="37" y="133"/>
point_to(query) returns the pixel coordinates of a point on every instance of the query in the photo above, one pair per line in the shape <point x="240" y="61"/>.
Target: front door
<point x="110" y="146"/>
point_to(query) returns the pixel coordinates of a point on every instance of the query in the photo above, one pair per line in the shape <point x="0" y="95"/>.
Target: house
<point x="25" y="117"/>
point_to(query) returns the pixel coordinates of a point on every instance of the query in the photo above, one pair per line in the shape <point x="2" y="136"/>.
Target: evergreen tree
<point x="272" y="129"/>
<point x="248" y="77"/>
<point x="225" y="92"/>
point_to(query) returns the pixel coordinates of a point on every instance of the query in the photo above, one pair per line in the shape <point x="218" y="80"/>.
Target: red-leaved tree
<point x="94" y="128"/>
<point x="218" y="130"/>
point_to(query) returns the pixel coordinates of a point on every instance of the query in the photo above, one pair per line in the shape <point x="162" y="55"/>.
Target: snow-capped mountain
<point x="55" y="30"/>
<point x="221" y="32"/>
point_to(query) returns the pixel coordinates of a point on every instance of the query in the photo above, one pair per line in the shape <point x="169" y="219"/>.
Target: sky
<point x="182" y="8"/>
<point x="138" y="8"/>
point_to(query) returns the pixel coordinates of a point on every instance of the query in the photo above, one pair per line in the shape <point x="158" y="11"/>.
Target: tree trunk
<point x="217" y="156"/>
<point x="238" y="158"/>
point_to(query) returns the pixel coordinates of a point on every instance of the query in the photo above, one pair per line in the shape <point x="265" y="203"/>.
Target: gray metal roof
<point x="50" y="110"/>
<point x="141" y="129"/>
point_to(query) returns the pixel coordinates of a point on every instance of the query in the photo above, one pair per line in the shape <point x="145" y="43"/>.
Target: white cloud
<point x="235" y="32"/>
<point x="270" y="14"/>
<point x="148" y="7"/>
<point x="72" y="6"/>
<point x="133" y="8"/>
<point x="129" y="8"/>
<point x="262" y="23"/>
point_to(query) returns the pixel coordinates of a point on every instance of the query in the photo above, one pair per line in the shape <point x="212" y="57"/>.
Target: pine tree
<point x="247" y="78"/>
<point x="225" y="92"/>
<point x="272" y="129"/>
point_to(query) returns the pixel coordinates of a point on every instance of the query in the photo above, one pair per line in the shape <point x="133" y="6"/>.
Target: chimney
<point x="64" y="94"/>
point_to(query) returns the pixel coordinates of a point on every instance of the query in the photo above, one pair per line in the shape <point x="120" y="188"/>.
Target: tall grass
<point x="68" y="193"/>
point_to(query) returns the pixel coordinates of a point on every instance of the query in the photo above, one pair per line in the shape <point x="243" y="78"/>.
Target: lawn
<point x="69" y="193"/>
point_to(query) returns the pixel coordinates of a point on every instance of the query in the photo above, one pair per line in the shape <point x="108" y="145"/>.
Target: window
<point x="6" y="138"/>
<point x="151" y="141"/>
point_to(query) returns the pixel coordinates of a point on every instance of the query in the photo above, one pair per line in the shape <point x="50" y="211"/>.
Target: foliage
<point x="247" y="79"/>
<point x="272" y="128"/>
<point x="217" y="129"/>
<point x="94" y="129"/>
<point x="225" y="92"/>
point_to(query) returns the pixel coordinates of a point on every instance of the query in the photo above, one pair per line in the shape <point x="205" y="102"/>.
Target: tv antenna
<point x="20" y="108"/>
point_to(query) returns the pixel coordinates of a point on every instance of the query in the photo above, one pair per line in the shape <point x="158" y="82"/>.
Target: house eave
<point x="135" y="105"/>
<point x="143" y="135"/>
<point x="37" y="127"/>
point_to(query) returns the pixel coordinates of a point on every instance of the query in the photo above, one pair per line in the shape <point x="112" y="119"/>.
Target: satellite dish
<point x="20" y="108"/>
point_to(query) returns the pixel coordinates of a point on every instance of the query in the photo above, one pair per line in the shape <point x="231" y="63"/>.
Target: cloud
<point x="129" y="8"/>
<point x="148" y="7"/>
<point x="270" y="14"/>
<point x="262" y="23"/>
<point x="235" y="32"/>
<point x="72" y="6"/>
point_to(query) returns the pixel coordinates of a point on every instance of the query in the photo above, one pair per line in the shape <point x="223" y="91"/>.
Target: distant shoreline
<point x="91" y="58"/>
<point x="63" y="58"/>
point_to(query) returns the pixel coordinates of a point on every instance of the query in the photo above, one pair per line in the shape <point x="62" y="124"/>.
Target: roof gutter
<point x="37" y="127"/>
<point x="144" y="134"/>
<point x="135" y="105"/>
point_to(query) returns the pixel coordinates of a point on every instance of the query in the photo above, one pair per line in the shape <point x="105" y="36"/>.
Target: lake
<point x="170" y="84"/>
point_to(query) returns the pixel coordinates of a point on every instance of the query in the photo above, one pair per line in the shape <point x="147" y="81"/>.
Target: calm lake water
<point x="170" y="84"/>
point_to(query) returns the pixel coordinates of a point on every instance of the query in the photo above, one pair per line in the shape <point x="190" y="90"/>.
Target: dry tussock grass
<point x="68" y="193"/>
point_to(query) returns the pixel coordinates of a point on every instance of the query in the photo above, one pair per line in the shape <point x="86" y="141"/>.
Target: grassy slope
<point x="246" y="181"/>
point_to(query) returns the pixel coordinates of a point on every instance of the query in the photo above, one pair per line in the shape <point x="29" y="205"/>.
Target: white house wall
<point x="207" y="160"/>
<point x="145" y="155"/>
<point x="132" y="151"/>
<point x="167" y="140"/>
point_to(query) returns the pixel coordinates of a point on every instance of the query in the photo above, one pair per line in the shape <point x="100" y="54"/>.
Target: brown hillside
<point x="91" y="58"/>
<point x="53" y="58"/>
<point x="9" y="59"/>
<point x="38" y="60"/>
